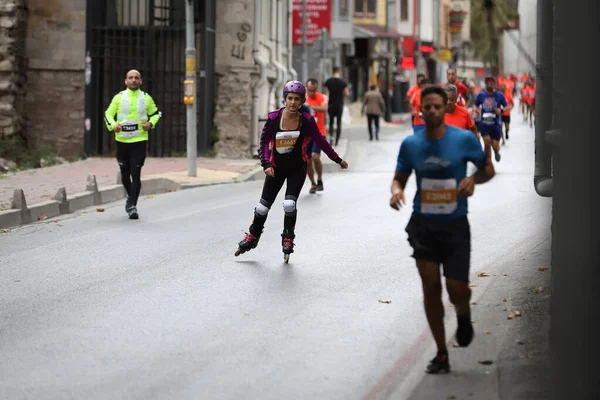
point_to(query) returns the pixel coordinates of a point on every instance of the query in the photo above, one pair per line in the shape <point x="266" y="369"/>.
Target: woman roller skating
<point x="283" y="157"/>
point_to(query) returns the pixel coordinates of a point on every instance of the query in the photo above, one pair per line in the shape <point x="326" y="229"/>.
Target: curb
<point x="22" y="214"/>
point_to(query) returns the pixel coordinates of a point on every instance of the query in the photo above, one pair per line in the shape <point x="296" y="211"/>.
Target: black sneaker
<point x="320" y="186"/>
<point x="133" y="213"/>
<point x="498" y="157"/>
<point x="313" y="189"/>
<point x="439" y="365"/>
<point x="464" y="332"/>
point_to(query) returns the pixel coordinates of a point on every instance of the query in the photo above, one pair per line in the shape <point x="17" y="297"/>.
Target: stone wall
<point x="55" y="74"/>
<point x="13" y="24"/>
<point x="234" y="67"/>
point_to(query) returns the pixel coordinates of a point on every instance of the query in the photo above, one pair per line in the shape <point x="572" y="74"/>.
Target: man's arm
<point x="399" y="182"/>
<point x="153" y="114"/>
<point x="111" y="111"/>
<point x="322" y="107"/>
<point x="346" y="91"/>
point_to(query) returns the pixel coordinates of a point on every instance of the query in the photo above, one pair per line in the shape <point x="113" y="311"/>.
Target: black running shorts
<point x="506" y="119"/>
<point x="445" y="242"/>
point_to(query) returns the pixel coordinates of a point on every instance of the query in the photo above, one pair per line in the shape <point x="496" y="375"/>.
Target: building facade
<point x="253" y="61"/>
<point x="375" y="46"/>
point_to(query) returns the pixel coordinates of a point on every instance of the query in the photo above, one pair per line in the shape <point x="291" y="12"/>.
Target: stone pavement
<point x="41" y="184"/>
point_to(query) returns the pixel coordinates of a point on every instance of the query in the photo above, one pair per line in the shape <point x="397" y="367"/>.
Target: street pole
<point x="304" y="44"/>
<point x="190" y="89"/>
<point x="418" y="50"/>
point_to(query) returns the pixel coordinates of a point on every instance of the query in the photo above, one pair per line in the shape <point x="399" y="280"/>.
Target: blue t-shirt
<point x="489" y="102"/>
<point x="440" y="165"/>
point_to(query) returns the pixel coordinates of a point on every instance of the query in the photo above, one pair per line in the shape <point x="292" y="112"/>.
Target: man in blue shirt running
<point x="438" y="230"/>
<point x="489" y="104"/>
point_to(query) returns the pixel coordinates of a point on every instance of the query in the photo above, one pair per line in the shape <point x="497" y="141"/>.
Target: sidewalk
<point x="40" y="186"/>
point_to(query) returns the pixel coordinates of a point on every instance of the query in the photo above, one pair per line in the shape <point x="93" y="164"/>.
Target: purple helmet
<point x="295" y="87"/>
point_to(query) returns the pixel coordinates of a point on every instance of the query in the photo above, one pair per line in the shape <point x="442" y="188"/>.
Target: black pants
<point x="295" y="180"/>
<point x="335" y="113"/>
<point x="375" y="119"/>
<point x="131" y="157"/>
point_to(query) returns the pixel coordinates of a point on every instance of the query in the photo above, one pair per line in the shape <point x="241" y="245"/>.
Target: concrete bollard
<point x="19" y="203"/>
<point x="63" y="203"/>
<point x="92" y="186"/>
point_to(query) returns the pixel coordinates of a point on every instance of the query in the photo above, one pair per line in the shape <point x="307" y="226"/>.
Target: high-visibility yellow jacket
<point x="130" y="109"/>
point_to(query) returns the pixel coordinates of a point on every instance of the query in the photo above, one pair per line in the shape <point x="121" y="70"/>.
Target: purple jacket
<point x="266" y="151"/>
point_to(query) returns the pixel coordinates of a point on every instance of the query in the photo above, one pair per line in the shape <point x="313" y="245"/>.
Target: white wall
<point x="510" y="52"/>
<point x="405" y="27"/>
<point x="426" y="20"/>
<point x="528" y="36"/>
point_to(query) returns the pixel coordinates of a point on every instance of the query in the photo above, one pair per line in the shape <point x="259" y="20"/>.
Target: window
<point x="403" y="10"/>
<point x="365" y="7"/>
<point x="343" y="8"/>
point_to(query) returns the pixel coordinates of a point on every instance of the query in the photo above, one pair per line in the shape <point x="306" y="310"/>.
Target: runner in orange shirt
<point x="506" y="112"/>
<point x="415" y="102"/>
<point x="457" y="115"/>
<point x="525" y="100"/>
<point x="318" y="104"/>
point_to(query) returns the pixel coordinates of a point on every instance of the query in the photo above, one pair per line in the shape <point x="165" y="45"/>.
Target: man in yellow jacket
<point x="135" y="114"/>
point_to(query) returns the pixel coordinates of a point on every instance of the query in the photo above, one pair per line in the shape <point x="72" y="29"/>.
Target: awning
<point x="364" y="31"/>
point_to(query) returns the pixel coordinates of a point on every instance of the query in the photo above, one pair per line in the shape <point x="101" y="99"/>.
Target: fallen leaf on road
<point x="486" y="362"/>
<point x="100" y="209"/>
<point x="483" y="274"/>
<point x="518" y="313"/>
<point x="505" y="275"/>
<point x="150" y="197"/>
<point x="511" y="316"/>
<point x="542" y="269"/>
<point x="5" y="230"/>
<point x="505" y="300"/>
<point x="456" y="345"/>
<point x="473" y="285"/>
<point x="59" y="225"/>
<point x="42" y="218"/>
<point x="385" y="301"/>
<point x="520" y="342"/>
<point x="474" y="303"/>
<point x="488" y="332"/>
<point x="504" y="309"/>
<point x="55" y="221"/>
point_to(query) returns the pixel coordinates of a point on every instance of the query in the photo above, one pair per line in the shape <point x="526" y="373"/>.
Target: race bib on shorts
<point x="129" y="129"/>
<point x="438" y="196"/>
<point x="285" y="141"/>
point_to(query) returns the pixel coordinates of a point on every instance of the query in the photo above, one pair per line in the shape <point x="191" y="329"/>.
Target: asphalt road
<point x="96" y="306"/>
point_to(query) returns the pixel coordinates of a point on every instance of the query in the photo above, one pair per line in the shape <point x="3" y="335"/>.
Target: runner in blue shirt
<point x="438" y="230"/>
<point x="489" y="104"/>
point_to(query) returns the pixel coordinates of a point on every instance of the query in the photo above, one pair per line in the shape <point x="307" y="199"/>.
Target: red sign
<point x="408" y="63"/>
<point x="318" y="16"/>
<point x="408" y="46"/>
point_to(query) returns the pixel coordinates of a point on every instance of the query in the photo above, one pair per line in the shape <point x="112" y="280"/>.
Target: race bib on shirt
<point x="438" y="196"/>
<point x="129" y="129"/>
<point x="285" y="141"/>
<point x="489" y="118"/>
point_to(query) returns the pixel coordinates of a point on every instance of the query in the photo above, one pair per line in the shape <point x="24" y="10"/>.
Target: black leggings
<point x="295" y="180"/>
<point x="335" y="113"/>
<point x="131" y="157"/>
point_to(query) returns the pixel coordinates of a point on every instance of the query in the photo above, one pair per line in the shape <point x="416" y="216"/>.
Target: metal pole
<point x="304" y="44"/>
<point x="418" y="53"/>
<point x="190" y="75"/>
